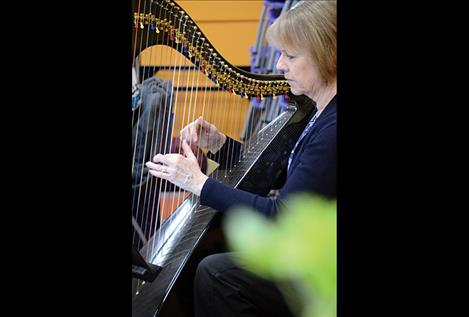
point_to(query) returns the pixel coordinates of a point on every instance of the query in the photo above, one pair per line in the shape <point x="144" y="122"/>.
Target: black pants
<point x="222" y="289"/>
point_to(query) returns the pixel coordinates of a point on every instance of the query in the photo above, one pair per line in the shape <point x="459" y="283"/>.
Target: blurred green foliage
<point x="299" y="246"/>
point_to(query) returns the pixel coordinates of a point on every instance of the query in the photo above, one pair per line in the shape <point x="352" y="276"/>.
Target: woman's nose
<point x="281" y="64"/>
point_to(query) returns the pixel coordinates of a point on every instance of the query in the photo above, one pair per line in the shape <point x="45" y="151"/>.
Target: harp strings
<point x="137" y="170"/>
<point x="187" y="95"/>
<point x="174" y="64"/>
<point x="155" y="216"/>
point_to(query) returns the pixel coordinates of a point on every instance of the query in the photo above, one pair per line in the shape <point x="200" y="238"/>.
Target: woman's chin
<point x="296" y="92"/>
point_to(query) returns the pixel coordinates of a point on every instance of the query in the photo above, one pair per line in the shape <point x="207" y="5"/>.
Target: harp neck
<point x="163" y="22"/>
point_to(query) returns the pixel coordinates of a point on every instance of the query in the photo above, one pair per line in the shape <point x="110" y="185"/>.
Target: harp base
<point x="143" y="270"/>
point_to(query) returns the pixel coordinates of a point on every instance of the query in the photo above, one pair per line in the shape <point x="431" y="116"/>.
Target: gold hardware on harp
<point x="141" y="20"/>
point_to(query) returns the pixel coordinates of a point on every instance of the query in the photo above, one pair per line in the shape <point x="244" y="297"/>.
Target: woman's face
<point x="300" y="71"/>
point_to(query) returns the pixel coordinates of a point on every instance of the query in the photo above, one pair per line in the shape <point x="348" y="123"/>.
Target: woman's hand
<point x="203" y="134"/>
<point x="181" y="170"/>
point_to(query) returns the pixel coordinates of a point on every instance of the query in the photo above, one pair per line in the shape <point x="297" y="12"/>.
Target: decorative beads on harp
<point x="181" y="30"/>
<point x="142" y="19"/>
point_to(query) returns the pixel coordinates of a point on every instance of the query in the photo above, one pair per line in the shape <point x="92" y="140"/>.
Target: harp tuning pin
<point x="246" y="96"/>
<point x="274" y="96"/>
<point x="156" y="29"/>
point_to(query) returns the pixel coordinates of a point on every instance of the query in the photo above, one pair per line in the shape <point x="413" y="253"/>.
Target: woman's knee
<point x="203" y="269"/>
<point x="211" y="265"/>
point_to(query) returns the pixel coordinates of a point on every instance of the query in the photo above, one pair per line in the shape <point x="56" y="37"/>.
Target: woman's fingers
<point x="198" y="128"/>
<point x="191" y="131"/>
<point x="199" y="132"/>
<point x="159" y="174"/>
<point x="194" y="131"/>
<point x="158" y="170"/>
<point x="181" y="170"/>
<point x="205" y="125"/>
<point x="152" y="165"/>
<point x="164" y="159"/>
<point x="166" y="169"/>
<point x="188" y="151"/>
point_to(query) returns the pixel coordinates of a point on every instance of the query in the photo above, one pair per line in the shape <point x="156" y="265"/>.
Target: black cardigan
<point x="313" y="170"/>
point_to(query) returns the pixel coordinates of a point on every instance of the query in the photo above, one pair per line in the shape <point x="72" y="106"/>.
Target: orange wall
<point x="231" y="27"/>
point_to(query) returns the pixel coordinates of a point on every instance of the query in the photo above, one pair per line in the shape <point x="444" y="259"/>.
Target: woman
<point x="306" y="36"/>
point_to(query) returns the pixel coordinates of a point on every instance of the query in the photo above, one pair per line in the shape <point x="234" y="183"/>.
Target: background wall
<point x="231" y="27"/>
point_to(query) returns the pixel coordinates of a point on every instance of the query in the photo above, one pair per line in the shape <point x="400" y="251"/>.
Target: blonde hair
<point x="309" y="26"/>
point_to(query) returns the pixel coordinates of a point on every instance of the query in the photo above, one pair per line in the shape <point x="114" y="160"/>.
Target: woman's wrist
<point x="200" y="184"/>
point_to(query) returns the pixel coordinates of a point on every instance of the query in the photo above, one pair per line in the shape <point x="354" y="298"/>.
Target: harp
<point x="168" y="222"/>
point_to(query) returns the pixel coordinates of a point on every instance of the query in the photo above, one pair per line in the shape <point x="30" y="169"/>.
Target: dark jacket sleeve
<point x="314" y="172"/>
